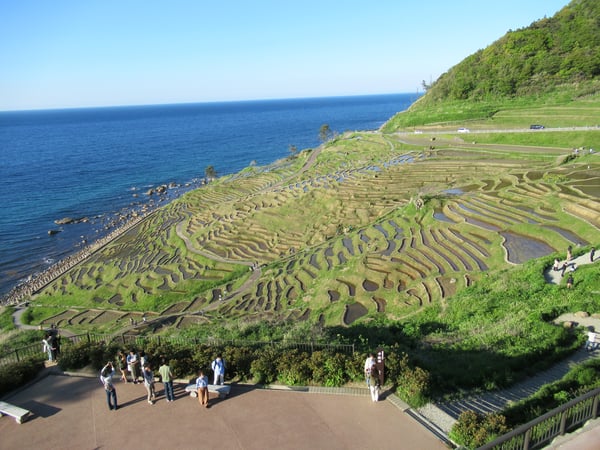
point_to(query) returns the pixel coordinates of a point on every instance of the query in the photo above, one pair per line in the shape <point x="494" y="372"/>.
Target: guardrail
<point x="130" y="340"/>
<point x="539" y="432"/>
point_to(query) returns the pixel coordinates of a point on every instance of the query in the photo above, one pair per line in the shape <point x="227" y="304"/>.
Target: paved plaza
<point x="71" y="413"/>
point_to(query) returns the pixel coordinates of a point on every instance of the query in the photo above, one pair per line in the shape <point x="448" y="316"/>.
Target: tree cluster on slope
<point x="550" y="52"/>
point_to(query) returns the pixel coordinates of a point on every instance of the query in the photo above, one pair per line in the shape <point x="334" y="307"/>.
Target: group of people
<point x="137" y="365"/>
<point x="218" y="368"/>
<point x="570" y="265"/>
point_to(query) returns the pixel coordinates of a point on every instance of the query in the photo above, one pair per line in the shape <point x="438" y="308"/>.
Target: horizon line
<point x="249" y="100"/>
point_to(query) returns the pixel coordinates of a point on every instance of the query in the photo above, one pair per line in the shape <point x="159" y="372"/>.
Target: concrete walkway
<point x="71" y="413"/>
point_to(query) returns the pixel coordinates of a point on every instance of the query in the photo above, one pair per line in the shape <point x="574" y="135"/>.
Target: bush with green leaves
<point x="82" y="354"/>
<point x="413" y="383"/>
<point x="473" y="430"/>
<point x="264" y="367"/>
<point x="293" y="368"/>
<point x="15" y="375"/>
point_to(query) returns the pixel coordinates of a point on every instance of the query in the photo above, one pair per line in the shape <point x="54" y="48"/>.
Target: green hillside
<point x="564" y="49"/>
<point x="555" y="62"/>
<point x="416" y="236"/>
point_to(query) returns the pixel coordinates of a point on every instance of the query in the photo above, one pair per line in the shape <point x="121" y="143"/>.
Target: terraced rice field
<point x="369" y="224"/>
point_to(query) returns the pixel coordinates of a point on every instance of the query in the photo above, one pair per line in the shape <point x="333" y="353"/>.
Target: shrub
<point x="202" y="356"/>
<point x="293" y="368"/>
<point x="239" y="361"/>
<point x="15" y="375"/>
<point x="413" y="382"/>
<point x="263" y="368"/>
<point x="335" y="370"/>
<point x="474" y="430"/>
<point x="81" y="354"/>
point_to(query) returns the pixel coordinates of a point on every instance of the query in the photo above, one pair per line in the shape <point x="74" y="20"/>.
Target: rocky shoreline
<point x="159" y="196"/>
<point x="24" y="290"/>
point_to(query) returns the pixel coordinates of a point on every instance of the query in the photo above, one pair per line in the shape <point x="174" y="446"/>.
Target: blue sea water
<point x="99" y="162"/>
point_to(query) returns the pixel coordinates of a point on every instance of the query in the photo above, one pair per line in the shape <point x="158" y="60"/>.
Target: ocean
<point x="96" y="164"/>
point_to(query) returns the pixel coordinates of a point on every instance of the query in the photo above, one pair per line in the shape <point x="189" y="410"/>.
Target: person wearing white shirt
<point x="106" y="375"/>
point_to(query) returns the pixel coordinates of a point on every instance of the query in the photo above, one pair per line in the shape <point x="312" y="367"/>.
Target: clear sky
<point x="73" y="53"/>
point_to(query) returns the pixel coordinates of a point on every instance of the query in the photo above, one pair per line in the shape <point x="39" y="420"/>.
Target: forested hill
<point x="550" y="52"/>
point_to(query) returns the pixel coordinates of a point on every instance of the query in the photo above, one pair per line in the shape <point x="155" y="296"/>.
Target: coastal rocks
<point x="53" y="232"/>
<point x="162" y="189"/>
<point x="69" y="220"/>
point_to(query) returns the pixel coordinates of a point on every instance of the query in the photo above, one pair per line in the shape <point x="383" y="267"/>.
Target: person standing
<point x="149" y="383"/>
<point x="133" y="363"/>
<point x="46" y="348"/>
<point x="592" y="253"/>
<point x="106" y="375"/>
<point x="143" y="359"/>
<point x="375" y="383"/>
<point x="122" y="365"/>
<point x="218" y="367"/>
<point x="167" y="379"/>
<point x="202" y="388"/>
<point x="369" y="362"/>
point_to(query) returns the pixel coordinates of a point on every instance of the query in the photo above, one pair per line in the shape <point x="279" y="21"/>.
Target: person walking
<point x="149" y="383"/>
<point x="167" y="378"/>
<point x="106" y="375"/>
<point x="369" y="362"/>
<point x="218" y="367"/>
<point x="592" y="253"/>
<point x="202" y="388"/>
<point x="133" y="363"/>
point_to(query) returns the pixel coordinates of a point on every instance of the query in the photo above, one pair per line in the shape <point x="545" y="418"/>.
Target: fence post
<point x="158" y="339"/>
<point x="595" y="406"/>
<point x="88" y="337"/>
<point x="17" y="355"/>
<point x="563" y="423"/>
<point x="526" y="439"/>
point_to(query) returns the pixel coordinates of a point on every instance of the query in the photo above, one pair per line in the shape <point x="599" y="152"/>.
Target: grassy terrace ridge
<point x="433" y="241"/>
<point x="379" y="224"/>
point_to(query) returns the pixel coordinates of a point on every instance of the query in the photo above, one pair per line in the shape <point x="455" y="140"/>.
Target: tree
<point x="325" y="133"/>
<point x="210" y="173"/>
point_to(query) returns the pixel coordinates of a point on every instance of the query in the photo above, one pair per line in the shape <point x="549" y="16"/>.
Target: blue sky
<point x="59" y="53"/>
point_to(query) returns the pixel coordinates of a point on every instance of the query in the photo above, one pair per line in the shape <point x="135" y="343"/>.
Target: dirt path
<point x="555" y="276"/>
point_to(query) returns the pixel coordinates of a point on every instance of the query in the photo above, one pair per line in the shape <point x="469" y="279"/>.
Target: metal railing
<point x="130" y="340"/>
<point x="539" y="432"/>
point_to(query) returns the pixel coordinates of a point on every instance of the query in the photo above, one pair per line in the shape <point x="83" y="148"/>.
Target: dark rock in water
<point x="69" y="220"/>
<point x="53" y="232"/>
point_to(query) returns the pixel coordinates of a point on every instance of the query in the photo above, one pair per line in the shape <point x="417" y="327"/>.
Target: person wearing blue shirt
<point x="202" y="387"/>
